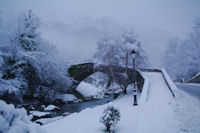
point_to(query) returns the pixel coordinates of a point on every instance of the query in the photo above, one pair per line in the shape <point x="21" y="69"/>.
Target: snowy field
<point x="161" y="113"/>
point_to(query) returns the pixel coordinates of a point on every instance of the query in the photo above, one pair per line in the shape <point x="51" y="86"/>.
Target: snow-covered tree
<point x="170" y="56"/>
<point x="129" y="42"/>
<point x="109" y="52"/>
<point x="16" y="120"/>
<point x="182" y="58"/>
<point x="118" y="47"/>
<point x="29" y="65"/>
<point x="110" y="117"/>
<point x="115" y="50"/>
<point x="27" y="34"/>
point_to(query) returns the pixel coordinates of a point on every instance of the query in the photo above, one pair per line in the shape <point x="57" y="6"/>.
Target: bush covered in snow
<point x="110" y="117"/>
<point x="16" y="120"/>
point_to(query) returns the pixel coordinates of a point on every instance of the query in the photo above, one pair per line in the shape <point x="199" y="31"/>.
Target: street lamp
<point x="133" y="54"/>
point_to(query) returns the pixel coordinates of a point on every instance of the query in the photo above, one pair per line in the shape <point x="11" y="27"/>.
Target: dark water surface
<point x="77" y="107"/>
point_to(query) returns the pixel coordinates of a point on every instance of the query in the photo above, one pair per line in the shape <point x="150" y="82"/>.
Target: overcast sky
<point x="154" y="20"/>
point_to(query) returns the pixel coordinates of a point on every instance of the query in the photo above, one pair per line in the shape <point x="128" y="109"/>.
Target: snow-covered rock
<point x="51" y="107"/>
<point x="88" y="90"/>
<point x="96" y="85"/>
<point x="98" y="79"/>
<point x="38" y="113"/>
<point x="114" y="87"/>
<point x="66" y="114"/>
<point x="68" y="98"/>
<point x="42" y="106"/>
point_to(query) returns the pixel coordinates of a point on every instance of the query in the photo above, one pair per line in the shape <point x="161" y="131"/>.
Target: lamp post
<point x="133" y="54"/>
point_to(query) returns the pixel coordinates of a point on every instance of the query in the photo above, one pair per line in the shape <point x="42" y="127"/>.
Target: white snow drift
<point x="16" y="120"/>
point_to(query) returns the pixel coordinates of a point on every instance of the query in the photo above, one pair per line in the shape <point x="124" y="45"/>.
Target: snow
<point x="48" y="120"/>
<point x="169" y="80"/>
<point x="98" y="79"/>
<point x="188" y="108"/>
<point x="160" y="113"/>
<point x="38" y="113"/>
<point x="193" y="77"/>
<point x="67" y="98"/>
<point x="157" y="114"/>
<point x="110" y="117"/>
<point x="88" y="90"/>
<point x="51" y="107"/>
<point x="145" y="90"/>
<point x="194" y="84"/>
<point x="9" y="86"/>
<point x="16" y="120"/>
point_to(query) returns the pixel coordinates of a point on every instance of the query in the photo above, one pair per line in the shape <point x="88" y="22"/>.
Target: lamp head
<point x="133" y="54"/>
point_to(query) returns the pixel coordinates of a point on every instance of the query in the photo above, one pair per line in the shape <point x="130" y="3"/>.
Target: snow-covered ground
<point x="48" y="120"/>
<point x="161" y="113"/>
<point x="187" y="110"/>
<point x="191" y="88"/>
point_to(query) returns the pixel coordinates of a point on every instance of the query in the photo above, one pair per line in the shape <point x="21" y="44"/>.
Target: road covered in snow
<point x="191" y="88"/>
<point x="161" y="113"/>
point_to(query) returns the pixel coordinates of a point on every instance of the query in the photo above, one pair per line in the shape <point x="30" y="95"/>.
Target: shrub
<point x="110" y="117"/>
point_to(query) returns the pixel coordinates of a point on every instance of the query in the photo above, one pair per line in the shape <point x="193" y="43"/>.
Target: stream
<point x="65" y="109"/>
<point x="77" y="107"/>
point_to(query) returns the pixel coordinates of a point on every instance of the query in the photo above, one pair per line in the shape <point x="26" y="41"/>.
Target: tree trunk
<point x="126" y="62"/>
<point x="108" y="128"/>
<point x="124" y="90"/>
<point x="126" y="69"/>
<point x="111" y="71"/>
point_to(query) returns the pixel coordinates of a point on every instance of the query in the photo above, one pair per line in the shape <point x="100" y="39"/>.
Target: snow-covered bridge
<point x="81" y="71"/>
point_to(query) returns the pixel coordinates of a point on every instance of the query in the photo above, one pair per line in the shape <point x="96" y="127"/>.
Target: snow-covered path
<point x="157" y="114"/>
<point x="154" y="116"/>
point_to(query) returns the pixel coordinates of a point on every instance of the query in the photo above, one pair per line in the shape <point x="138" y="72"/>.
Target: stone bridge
<point x="81" y="71"/>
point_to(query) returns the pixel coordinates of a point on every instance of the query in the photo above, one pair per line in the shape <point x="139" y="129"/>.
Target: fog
<point x="75" y="25"/>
